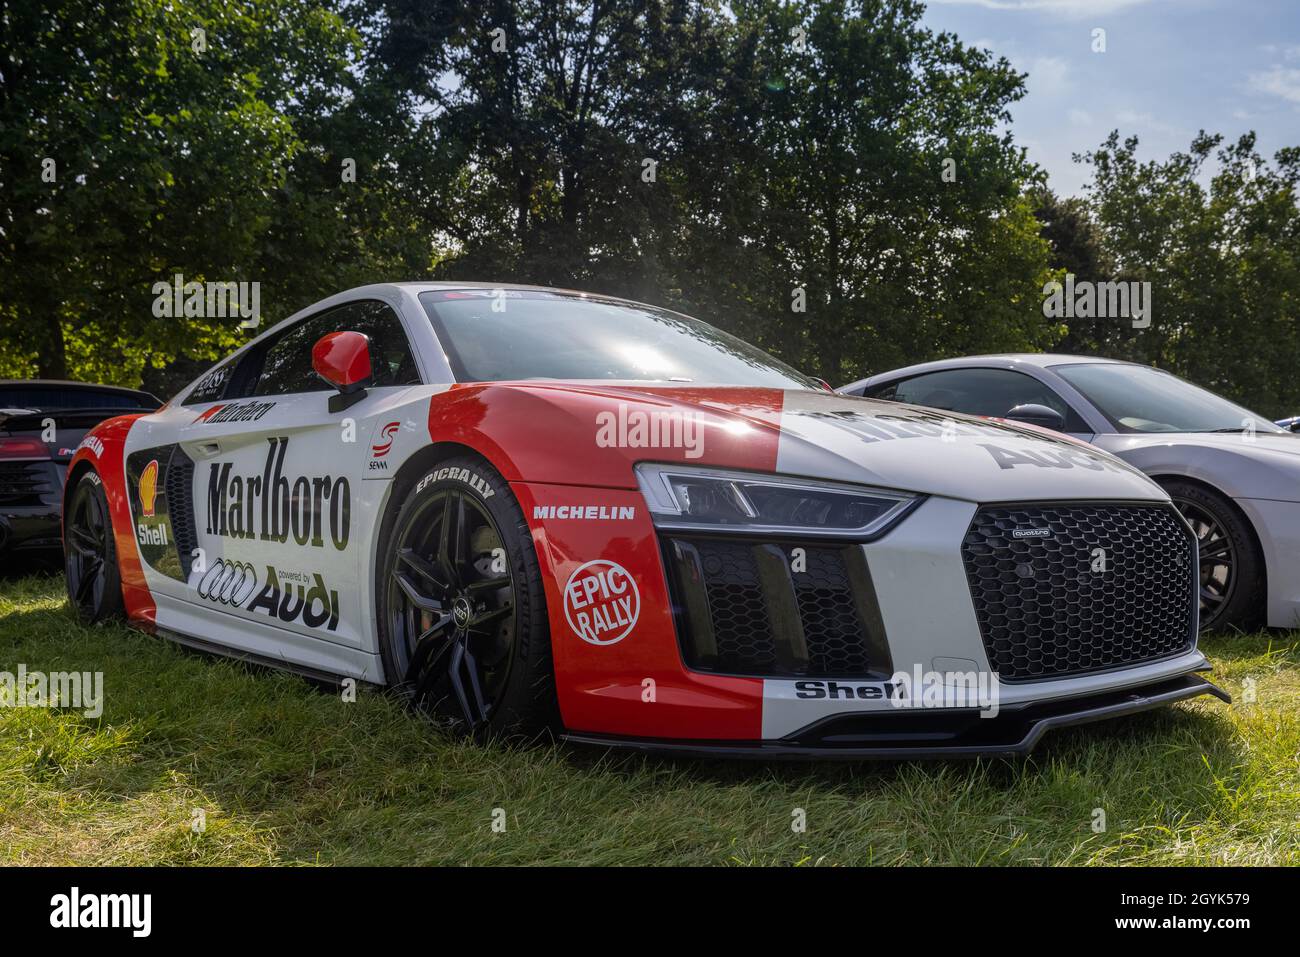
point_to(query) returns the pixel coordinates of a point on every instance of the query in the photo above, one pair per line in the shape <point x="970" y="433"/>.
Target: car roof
<point x="1008" y="360"/>
<point x="69" y="384"/>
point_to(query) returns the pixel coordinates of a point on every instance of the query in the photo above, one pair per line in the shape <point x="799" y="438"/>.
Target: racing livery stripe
<point x="593" y="435"/>
<point x="110" y="463"/>
<point x="618" y="667"/>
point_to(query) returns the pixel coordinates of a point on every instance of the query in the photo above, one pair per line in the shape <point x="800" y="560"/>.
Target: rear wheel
<point x="462" y="612"/>
<point x="90" y="554"/>
<point x="1231" y="572"/>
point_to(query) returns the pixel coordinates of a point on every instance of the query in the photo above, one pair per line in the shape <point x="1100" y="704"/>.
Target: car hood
<point x="821" y="435"/>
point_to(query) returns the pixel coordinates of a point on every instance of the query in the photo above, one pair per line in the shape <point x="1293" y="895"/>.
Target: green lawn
<point x="289" y="774"/>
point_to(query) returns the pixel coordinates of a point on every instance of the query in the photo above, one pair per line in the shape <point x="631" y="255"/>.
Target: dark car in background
<point x="41" y="424"/>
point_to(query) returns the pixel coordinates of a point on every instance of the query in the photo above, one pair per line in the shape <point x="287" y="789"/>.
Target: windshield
<point x="1142" y="399"/>
<point x="504" y="335"/>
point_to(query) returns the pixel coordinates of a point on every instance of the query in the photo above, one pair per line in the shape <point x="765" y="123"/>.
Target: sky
<point x="1170" y="69"/>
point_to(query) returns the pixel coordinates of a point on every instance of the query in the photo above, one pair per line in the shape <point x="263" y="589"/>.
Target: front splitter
<point x="933" y="734"/>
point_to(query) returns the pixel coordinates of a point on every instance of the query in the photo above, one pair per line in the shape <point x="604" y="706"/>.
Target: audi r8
<point x="1233" y="474"/>
<point x="529" y="510"/>
<point x="41" y="423"/>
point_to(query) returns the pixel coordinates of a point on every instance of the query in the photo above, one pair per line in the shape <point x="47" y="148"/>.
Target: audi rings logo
<point x="230" y="583"/>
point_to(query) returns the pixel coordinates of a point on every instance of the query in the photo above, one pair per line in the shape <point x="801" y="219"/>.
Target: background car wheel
<point x="1231" y="567"/>
<point x="462" y="612"/>
<point x="90" y="554"/>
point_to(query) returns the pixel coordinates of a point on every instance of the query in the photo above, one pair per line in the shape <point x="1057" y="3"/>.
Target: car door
<point x="277" y="481"/>
<point x="980" y="391"/>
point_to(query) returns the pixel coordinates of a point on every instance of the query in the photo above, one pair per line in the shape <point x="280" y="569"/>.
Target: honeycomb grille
<point x="775" y="609"/>
<point x="738" y="611"/>
<point x="179" y="489"/>
<point x="1050" y="604"/>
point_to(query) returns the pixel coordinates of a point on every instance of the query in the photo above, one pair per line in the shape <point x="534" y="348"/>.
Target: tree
<point x="719" y="161"/>
<point x="139" y="140"/>
<point x="1224" y="261"/>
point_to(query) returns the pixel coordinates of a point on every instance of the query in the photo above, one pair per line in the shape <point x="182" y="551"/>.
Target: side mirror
<point x="343" y="360"/>
<point x="1291" y="425"/>
<point x="1042" y="416"/>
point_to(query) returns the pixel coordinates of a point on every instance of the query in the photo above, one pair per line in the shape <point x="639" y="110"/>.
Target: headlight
<point x="684" y="498"/>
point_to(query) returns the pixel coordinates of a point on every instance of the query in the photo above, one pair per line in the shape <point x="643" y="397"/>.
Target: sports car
<point x="529" y="510"/>
<point x="1233" y="474"/>
<point x="41" y="423"/>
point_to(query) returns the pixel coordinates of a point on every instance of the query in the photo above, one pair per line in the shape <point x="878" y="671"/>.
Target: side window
<point x="212" y="386"/>
<point x="283" y="365"/>
<point x="990" y="392"/>
<point x="888" y="392"/>
<point x="390" y="353"/>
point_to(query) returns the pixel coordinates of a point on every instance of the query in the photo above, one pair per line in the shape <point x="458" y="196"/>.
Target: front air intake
<point x="775" y="609"/>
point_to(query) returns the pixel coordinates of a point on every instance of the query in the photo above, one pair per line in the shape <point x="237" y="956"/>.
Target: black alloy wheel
<point x="90" y="554"/>
<point x="461" y="602"/>
<point x="1230" y="577"/>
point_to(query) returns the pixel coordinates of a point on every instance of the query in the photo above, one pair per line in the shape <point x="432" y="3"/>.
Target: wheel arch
<point x="1163" y="478"/>
<point x="410" y="472"/>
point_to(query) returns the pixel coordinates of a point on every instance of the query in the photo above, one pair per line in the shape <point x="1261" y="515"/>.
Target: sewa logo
<point x="381" y="448"/>
<point x="271" y="507"/>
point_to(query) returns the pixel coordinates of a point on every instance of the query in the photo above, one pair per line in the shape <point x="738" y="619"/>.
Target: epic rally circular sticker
<point x="601" y="602"/>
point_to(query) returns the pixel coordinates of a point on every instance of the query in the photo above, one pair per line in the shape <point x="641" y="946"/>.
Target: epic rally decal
<point x="271" y="507"/>
<point x="601" y="602"/>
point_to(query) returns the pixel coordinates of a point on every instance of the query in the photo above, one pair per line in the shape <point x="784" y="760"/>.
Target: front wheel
<point x="90" y="554"/>
<point x="462" y="612"/>
<point x="1231" y="572"/>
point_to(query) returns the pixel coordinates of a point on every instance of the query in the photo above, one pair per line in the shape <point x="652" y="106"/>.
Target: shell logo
<point x="148" y="488"/>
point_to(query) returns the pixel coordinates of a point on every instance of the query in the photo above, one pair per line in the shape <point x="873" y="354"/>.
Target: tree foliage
<point x="733" y="160"/>
<point x="1216" y="230"/>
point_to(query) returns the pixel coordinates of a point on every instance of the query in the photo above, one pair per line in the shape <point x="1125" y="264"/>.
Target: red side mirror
<point x="343" y="360"/>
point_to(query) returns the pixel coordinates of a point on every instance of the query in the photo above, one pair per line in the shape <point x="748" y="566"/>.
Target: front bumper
<point x="1014" y="732"/>
<point x="642" y="685"/>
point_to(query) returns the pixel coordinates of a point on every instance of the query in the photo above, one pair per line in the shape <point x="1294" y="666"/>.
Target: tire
<point x="90" y="554"/>
<point x="463" y="630"/>
<point x="1232" y="569"/>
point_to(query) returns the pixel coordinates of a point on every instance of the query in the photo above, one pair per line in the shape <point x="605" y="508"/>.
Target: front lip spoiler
<point x="1013" y="733"/>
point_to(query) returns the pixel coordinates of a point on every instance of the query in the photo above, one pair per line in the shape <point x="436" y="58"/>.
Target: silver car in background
<point x="1235" y="475"/>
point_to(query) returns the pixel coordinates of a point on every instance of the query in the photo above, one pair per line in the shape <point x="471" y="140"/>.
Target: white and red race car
<point x="532" y="509"/>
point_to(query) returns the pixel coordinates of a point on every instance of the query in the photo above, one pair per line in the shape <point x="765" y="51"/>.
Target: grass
<point x="287" y="773"/>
